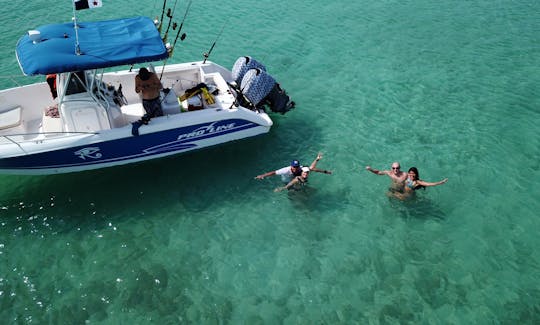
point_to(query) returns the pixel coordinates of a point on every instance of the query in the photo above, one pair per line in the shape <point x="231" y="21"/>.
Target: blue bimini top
<point x="102" y="44"/>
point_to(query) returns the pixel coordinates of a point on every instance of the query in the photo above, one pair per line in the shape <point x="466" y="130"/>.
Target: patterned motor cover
<point x="242" y="65"/>
<point x="256" y="84"/>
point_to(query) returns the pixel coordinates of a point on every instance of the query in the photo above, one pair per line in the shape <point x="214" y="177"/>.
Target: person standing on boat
<point x="148" y="85"/>
<point x="397" y="176"/>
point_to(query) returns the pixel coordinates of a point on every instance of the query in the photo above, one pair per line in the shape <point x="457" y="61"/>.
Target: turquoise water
<point x="450" y="87"/>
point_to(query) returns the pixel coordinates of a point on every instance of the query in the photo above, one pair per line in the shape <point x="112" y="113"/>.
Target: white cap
<point x="305" y="169"/>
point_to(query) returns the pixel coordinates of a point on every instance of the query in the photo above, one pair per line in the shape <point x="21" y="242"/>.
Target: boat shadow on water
<point x="189" y="178"/>
<point x="191" y="183"/>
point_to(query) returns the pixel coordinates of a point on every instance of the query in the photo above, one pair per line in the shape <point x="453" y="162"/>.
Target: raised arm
<point x="313" y="165"/>
<point x="426" y="184"/>
<point x="376" y="171"/>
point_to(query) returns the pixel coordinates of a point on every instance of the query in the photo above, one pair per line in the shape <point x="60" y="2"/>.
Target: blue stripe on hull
<point x="125" y="149"/>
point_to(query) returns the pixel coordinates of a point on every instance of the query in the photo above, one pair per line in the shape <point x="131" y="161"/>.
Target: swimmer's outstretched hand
<point x="319" y="156"/>
<point x="279" y="189"/>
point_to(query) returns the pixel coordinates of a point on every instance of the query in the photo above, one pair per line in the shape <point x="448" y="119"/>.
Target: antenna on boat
<point x="76" y="27"/>
<point x="162" y="12"/>
<point x="206" y="55"/>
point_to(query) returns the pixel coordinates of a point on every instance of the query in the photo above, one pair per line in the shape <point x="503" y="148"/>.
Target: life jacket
<point x="201" y="88"/>
<point x="51" y="81"/>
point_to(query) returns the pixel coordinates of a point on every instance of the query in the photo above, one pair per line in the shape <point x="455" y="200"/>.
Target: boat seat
<point x="132" y="112"/>
<point x="10" y="116"/>
<point x="51" y="124"/>
<point x="83" y="116"/>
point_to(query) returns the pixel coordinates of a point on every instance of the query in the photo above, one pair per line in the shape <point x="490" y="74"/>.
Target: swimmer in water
<point x="413" y="183"/>
<point x="397" y="176"/>
<point x="298" y="181"/>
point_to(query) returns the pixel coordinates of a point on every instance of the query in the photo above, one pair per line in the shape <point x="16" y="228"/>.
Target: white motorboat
<point x="96" y="120"/>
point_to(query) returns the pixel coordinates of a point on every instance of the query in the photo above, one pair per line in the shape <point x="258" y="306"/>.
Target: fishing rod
<point x="206" y="55"/>
<point x="182" y="37"/>
<point x="168" y="56"/>
<point x="170" y="15"/>
<point x="162" y="13"/>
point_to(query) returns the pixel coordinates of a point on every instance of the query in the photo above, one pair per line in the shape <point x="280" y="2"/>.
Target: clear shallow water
<point x="451" y="88"/>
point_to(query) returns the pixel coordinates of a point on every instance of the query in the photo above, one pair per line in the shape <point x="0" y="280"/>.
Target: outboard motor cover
<point x="278" y="100"/>
<point x="242" y="65"/>
<point x="256" y="85"/>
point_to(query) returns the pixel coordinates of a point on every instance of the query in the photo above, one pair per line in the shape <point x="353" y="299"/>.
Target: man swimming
<point x="397" y="176"/>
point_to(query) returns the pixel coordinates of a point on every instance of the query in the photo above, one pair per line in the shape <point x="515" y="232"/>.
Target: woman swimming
<point x="296" y="182"/>
<point x="299" y="181"/>
<point x="414" y="182"/>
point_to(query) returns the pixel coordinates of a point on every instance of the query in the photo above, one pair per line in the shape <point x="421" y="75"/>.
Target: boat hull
<point x="95" y="152"/>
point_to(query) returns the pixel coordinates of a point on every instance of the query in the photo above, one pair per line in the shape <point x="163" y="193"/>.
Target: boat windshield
<point x="76" y="83"/>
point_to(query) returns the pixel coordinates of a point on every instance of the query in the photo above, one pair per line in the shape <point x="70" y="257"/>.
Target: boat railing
<point x="103" y="101"/>
<point x="38" y="137"/>
<point x="104" y="97"/>
<point x="85" y="87"/>
<point x="8" y="81"/>
<point x="11" y="79"/>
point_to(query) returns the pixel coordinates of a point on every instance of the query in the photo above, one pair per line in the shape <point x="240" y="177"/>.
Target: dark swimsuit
<point x="152" y="107"/>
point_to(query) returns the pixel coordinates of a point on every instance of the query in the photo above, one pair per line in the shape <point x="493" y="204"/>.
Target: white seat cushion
<point x="10" y="117"/>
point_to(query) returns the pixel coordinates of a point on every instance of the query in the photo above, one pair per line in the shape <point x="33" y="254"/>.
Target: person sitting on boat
<point x="288" y="173"/>
<point x="148" y="85"/>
